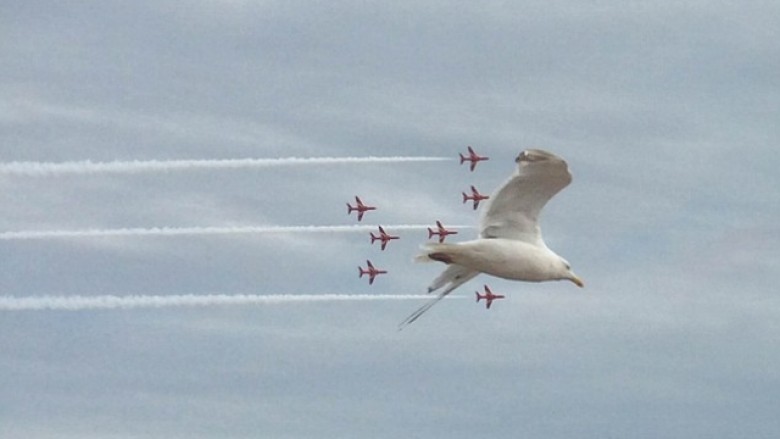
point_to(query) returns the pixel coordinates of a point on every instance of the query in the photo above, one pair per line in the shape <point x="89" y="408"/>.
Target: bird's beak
<point x="576" y="280"/>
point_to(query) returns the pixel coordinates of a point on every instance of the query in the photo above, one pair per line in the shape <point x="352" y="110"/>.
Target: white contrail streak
<point x="180" y="231"/>
<point x="46" y="169"/>
<point x="83" y="303"/>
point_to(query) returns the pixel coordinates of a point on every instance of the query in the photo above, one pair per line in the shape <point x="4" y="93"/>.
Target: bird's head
<point x="567" y="274"/>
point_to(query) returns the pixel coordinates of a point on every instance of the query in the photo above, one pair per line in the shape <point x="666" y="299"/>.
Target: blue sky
<point x="666" y="112"/>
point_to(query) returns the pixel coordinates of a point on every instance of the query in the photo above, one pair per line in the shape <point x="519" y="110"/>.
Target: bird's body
<point x="510" y="243"/>
<point x="504" y="258"/>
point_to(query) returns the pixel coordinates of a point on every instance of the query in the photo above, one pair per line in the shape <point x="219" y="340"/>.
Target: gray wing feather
<point x="453" y="273"/>
<point x="464" y="276"/>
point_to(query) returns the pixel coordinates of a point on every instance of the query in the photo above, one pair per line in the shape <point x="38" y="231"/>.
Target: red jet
<point x="371" y="272"/>
<point x="442" y="232"/>
<point x="360" y="208"/>
<point x="383" y="236"/>
<point x="473" y="158"/>
<point x="488" y="296"/>
<point x="475" y="196"/>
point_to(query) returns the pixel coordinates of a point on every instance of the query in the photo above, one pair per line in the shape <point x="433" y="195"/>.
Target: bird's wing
<point x="456" y="275"/>
<point x="513" y="210"/>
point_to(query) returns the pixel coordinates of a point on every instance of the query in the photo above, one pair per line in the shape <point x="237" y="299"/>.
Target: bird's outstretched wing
<point x="513" y="210"/>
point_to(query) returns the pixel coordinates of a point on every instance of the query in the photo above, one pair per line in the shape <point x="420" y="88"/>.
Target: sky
<point x="665" y="111"/>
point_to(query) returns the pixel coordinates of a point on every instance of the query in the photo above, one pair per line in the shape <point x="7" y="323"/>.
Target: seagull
<point x="510" y="243"/>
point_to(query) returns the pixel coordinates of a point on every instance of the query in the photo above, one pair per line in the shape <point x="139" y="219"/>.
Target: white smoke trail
<point x="46" y="169"/>
<point x="83" y="303"/>
<point x="179" y="231"/>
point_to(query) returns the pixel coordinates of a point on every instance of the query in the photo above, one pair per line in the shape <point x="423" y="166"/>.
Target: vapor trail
<point x="82" y="303"/>
<point x="180" y="231"/>
<point x="47" y="169"/>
